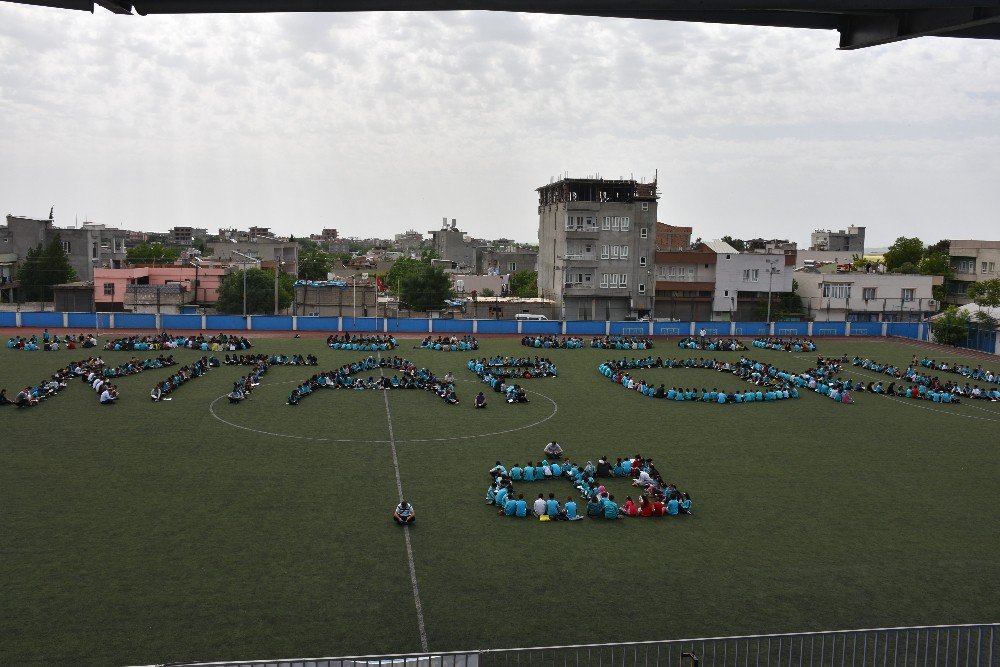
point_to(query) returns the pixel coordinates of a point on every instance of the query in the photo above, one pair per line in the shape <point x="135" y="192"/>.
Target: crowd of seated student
<point x="711" y="344"/>
<point x="786" y="344"/>
<point x="621" y="343"/>
<point x="272" y="360"/>
<point x="449" y="343"/>
<point x="183" y="375"/>
<point x="657" y="497"/>
<point x="166" y="341"/>
<point x="771" y="388"/>
<point x="244" y="386"/>
<point x="406" y="376"/>
<point x="922" y="386"/>
<point x="365" y="343"/>
<point x="513" y="367"/>
<point x="560" y="342"/>
<point x="48" y="342"/>
<point x="92" y="371"/>
<point x="977" y="373"/>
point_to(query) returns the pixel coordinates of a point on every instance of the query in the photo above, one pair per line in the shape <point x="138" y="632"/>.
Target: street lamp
<point x="243" y="264"/>
<point x="771" y="270"/>
<point x="196" y="263"/>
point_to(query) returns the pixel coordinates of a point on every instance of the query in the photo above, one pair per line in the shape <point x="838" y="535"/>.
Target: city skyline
<point x="393" y="121"/>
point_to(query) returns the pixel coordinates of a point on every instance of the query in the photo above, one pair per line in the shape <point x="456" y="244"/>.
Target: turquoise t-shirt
<point x="552" y="507"/>
<point x="610" y="509"/>
<point x="570" y="508"/>
<point x="510" y="507"/>
<point x="522" y="508"/>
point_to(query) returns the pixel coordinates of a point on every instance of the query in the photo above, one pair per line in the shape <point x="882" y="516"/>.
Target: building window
<point x="615" y="251"/>
<point x="624" y="280"/>
<point x="729" y="256"/>
<point x="615" y="221"/>
<point x="837" y="290"/>
<point x="751" y="275"/>
<point x="989" y="267"/>
<point x="460" y="285"/>
<point x="643" y="233"/>
<point x="109" y="289"/>
<point x="965" y="266"/>
<point x="642" y="288"/>
<point x="605" y="251"/>
<point x="645" y="206"/>
<point x="65" y="247"/>
<point x="625" y="224"/>
<point x="606" y="225"/>
<point x="511" y="267"/>
<point x="624" y="251"/>
<point x="604" y="279"/>
<point x="642" y="261"/>
<point x="868" y="293"/>
<point x="908" y="294"/>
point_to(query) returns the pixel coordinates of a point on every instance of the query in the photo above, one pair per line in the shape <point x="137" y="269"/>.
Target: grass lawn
<point x="146" y="532"/>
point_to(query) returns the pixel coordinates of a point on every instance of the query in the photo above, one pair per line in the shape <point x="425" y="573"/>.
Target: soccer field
<point x="198" y="530"/>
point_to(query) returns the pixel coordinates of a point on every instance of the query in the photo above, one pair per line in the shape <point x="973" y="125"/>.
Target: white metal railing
<point x="973" y="645"/>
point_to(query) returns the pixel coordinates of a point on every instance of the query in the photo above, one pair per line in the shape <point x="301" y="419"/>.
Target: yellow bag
<point x="544" y="517"/>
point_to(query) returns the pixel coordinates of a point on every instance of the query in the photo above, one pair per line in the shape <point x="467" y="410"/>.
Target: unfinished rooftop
<point x="596" y="190"/>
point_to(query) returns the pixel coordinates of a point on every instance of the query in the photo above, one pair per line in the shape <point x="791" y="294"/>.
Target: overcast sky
<point x="377" y="123"/>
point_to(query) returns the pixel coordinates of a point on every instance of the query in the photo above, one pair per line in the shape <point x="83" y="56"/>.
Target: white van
<point x="529" y="316"/>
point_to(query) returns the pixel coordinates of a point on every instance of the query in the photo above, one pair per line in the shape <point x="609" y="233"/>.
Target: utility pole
<point x="771" y="270"/>
<point x="277" y="267"/>
<point x="243" y="264"/>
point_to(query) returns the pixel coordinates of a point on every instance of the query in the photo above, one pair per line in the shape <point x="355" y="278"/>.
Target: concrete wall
<point x="730" y="280"/>
<point x="886" y="305"/>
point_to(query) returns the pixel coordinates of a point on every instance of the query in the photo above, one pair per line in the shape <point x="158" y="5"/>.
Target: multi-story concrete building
<point x="504" y="260"/>
<point x="452" y="244"/>
<point x="851" y="240"/>
<point x="713" y="281"/>
<point x="157" y="286"/>
<point x="596" y="247"/>
<point x="185" y="236"/>
<point x="972" y="261"/>
<point x="829" y="295"/>
<point x="268" y="251"/>
<point x="88" y="246"/>
<point x="671" y="238"/>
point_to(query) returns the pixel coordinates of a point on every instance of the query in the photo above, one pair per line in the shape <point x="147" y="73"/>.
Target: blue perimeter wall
<point x="418" y="326"/>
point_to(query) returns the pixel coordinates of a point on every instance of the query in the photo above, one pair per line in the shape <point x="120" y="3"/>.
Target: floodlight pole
<point x="771" y="270"/>
<point x="243" y="264"/>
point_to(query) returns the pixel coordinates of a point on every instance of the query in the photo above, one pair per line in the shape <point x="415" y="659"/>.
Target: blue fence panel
<point x="629" y="328"/>
<point x="903" y="329"/>
<point x="540" y="327"/>
<point x="452" y="326"/>
<point x="41" y="319"/>
<point x="785" y="329"/>
<point x="408" y="325"/>
<point x="363" y="324"/>
<point x="585" y="328"/>
<point x="148" y="321"/>
<point x="829" y="329"/>
<point x="712" y="328"/>
<point x="187" y="322"/>
<point x="671" y="328"/>
<point x="496" y="326"/>
<point x="755" y="328"/>
<point x="866" y="328"/>
<point x="82" y="320"/>
<point x="224" y="323"/>
<point x="318" y="323"/>
<point x="8" y="319"/>
<point x="271" y="323"/>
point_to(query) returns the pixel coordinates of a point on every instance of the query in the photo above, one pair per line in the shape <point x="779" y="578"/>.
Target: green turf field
<point x="146" y="533"/>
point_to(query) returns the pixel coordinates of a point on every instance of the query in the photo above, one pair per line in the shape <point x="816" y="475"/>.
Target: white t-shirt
<point x="404" y="511"/>
<point x="539" y="506"/>
<point x="105" y="396"/>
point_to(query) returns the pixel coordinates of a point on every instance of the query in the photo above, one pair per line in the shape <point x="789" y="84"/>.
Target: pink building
<point x="121" y="289"/>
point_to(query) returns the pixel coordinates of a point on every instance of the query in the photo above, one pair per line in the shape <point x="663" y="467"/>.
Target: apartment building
<point x="597" y="247"/>
<point x="832" y="295"/>
<point x="972" y="261"/>
<point x="851" y="240"/>
<point x="88" y="246"/>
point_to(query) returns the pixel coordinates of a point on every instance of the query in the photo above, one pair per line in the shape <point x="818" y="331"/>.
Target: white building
<point x="856" y="296"/>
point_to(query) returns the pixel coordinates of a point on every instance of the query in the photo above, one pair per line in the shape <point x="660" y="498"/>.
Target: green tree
<point x="400" y="269"/>
<point x="942" y="247"/>
<point x="951" y="327"/>
<point x="314" y="264"/>
<point x="524" y="284"/>
<point x="153" y="252"/>
<point x="260" y="292"/>
<point x="986" y="293"/>
<point x="739" y="244"/>
<point x="904" y="251"/>
<point x="426" y="287"/>
<point x="43" y="267"/>
<point x="487" y="292"/>
<point x="935" y="264"/>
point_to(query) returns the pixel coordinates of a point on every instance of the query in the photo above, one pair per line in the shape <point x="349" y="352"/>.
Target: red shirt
<point x="657" y="508"/>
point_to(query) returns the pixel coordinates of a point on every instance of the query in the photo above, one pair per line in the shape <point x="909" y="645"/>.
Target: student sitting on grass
<point x="552" y="506"/>
<point x="480" y="400"/>
<point x="539" y="507"/>
<point x="610" y="508"/>
<point x="629" y="508"/>
<point x="404" y="514"/>
<point x="553" y="450"/>
<point x="109" y="394"/>
<point x="569" y="510"/>
<point x="236" y="396"/>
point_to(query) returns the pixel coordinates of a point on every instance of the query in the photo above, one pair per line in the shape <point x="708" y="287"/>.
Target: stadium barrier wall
<point x="429" y="326"/>
<point x="939" y="645"/>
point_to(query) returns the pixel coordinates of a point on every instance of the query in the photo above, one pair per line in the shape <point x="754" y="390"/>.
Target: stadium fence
<point x="923" y="646"/>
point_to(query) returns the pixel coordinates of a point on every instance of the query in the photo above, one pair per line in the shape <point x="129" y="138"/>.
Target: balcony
<point x="577" y="260"/>
<point x="583" y="232"/>
<point x="580" y="289"/>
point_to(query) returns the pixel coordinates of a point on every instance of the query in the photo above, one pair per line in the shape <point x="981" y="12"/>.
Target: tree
<point x="260" y="292"/>
<point x="314" y="264"/>
<point x="487" y="292"/>
<point x="904" y="251"/>
<point x="935" y="264"/>
<point x="784" y="305"/>
<point x="43" y="267"/>
<point x="739" y="244"/>
<point x="986" y="293"/>
<point x="951" y="327"/>
<point x="425" y="287"/>
<point x="942" y="247"/>
<point x="524" y="284"/>
<point x="153" y="252"/>
<point x="400" y="269"/>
